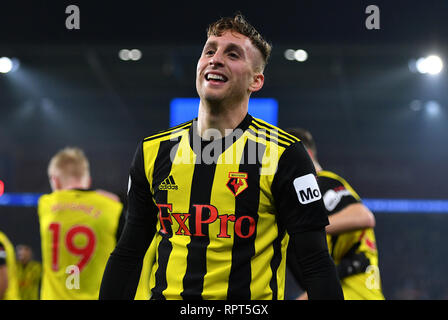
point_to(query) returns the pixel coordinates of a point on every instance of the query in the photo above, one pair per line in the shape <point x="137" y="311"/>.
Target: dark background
<point x="354" y="94"/>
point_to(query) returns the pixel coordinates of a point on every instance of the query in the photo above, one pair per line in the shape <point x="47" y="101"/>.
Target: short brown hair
<point x="239" y="24"/>
<point x="69" y="162"/>
<point x="305" y="136"/>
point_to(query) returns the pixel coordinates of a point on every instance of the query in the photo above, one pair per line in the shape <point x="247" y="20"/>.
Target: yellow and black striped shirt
<point x="222" y="210"/>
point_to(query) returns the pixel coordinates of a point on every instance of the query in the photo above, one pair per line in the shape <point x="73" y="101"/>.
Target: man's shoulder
<point x="169" y="133"/>
<point x="330" y="175"/>
<point x="272" y="133"/>
<point x="44" y="198"/>
<point x="331" y="180"/>
<point x="108" y="195"/>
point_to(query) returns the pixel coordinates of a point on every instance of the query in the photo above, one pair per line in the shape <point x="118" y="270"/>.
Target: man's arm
<point x="121" y="223"/>
<point x="3" y="280"/>
<point x="301" y="211"/>
<point x="122" y="273"/>
<point x="319" y="276"/>
<point x="353" y="217"/>
<point x="344" y="206"/>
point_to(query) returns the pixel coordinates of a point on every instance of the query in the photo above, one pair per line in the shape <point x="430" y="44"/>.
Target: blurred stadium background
<point x="377" y="121"/>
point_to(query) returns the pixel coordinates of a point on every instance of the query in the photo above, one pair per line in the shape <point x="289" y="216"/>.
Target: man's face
<point x="23" y="254"/>
<point x="226" y="70"/>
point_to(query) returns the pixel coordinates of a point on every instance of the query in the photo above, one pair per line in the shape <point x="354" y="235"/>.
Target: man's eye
<point x="233" y="55"/>
<point x="209" y="52"/>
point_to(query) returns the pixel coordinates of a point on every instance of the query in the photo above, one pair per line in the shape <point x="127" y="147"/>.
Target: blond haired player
<point x="79" y="229"/>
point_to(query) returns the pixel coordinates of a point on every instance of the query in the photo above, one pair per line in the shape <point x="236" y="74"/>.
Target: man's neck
<point x="221" y="119"/>
<point x="74" y="185"/>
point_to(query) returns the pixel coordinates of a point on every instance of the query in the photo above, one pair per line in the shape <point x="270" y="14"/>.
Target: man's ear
<point x="89" y="182"/>
<point x="55" y="183"/>
<point x="257" y="82"/>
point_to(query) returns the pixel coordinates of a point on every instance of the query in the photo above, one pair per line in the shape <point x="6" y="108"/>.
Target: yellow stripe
<point x="150" y="151"/>
<point x="332" y="175"/>
<point x="270" y="135"/>
<point x="182" y="172"/>
<point x="281" y="132"/>
<point x="143" y="288"/>
<point x="260" y="264"/>
<point x="271" y="156"/>
<point x="179" y="127"/>
<point x="281" y="271"/>
<point x="156" y="240"/>
<point x="266" y="233"/>
<point x="218" y="258"/>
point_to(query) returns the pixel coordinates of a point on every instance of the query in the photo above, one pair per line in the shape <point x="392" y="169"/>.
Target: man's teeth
<point x="215" y="77"/>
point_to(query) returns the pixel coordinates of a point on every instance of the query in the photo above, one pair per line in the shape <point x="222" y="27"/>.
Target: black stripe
<point x="168" y="132"/>
<point x="171" y="180"/>
<point x="275" y="263"/>
<point x="246" y="204"/>
<point x="262" y="135"/>
<point x="277" y="129"/>
<point x="162" y="168"/>
<point x="201" y="189"/>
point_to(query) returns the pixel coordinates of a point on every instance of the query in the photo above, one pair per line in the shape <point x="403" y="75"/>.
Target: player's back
<point x="78" y="233"/>
<point x="337" y="195"/>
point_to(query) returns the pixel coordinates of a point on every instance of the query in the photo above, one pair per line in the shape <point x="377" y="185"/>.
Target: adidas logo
<point x="168" y="184"/>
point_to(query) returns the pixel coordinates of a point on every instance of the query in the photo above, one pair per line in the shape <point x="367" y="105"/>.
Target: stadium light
<point x="415" y="105"/>
<point x="298" y="55"/>
<point x="123" y="54"/>
<point x="6" y="65"/>
<point x="432" y="108"/>
<point x="134" y="54"/>
<point x="431" y="65"/>
<point x="301" y="55"/>
<point x="289" y="54"/>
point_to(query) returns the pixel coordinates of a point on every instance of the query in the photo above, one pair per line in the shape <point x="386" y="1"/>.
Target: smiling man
<point x="220" y="228"/>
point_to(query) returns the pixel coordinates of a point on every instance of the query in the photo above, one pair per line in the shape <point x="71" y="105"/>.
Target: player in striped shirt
<point x="220" y="196"/>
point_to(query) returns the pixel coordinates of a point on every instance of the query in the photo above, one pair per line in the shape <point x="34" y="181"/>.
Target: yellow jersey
<point x="221" y="210"/>
<point x="29" y="277"/>
<point x="7" y="248"/>
<point x="78" y="232"/>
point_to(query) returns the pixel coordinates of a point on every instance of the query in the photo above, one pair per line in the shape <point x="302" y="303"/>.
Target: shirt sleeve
<point x="297" y="196"/>
<point x="313" y="267"/>
<point x="121" y="222"/>
<point x="122" y="273"/>
<point x="336" y="195"/>
<point x="2" y="255"/>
